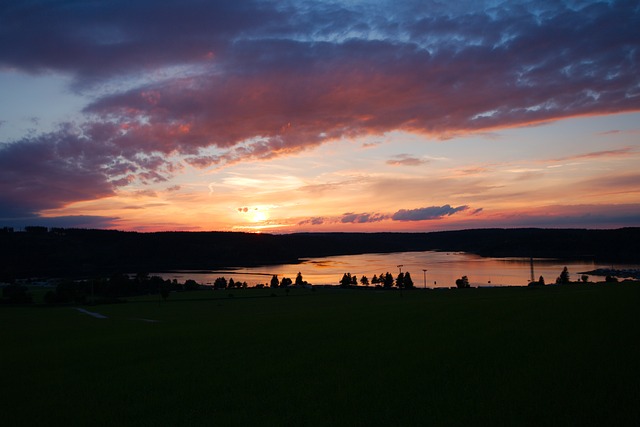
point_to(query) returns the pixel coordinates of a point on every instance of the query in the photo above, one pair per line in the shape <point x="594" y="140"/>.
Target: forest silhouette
<point x="40" y="252"/>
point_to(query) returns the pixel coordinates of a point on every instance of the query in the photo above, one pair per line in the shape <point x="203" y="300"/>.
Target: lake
<point x="443" y="268"/>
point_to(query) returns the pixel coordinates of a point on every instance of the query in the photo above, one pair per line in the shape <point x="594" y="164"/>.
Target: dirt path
<point x="91" y="313"/>
<point x="102" y="316"/>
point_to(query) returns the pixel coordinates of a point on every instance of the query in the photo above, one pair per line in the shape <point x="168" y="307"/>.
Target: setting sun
<point x="259" y="216"/>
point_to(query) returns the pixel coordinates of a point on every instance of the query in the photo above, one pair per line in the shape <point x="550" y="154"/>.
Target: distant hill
<point x="38" y="251"/>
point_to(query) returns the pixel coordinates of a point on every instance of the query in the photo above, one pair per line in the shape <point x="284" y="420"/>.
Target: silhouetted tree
<point x="354" y="280"/>
<point x="375" y="280"/>
<point x="611" y="279"/>
<point x="584" y="278"/>
<point x="36" y="229"/>
<point x="16" y="294"/>
<point x="299" y="281"/>
<point x="541" y="281"/>
<point x="219" y="283"/>
<point x="408" y="282"/>
<point x="164" y="292"/>
<point x="232" y="283"/>
<point x="364" y="281"/>
<point x="118" y="285"/>
<point x="345" y="282"/>
<point x="463" y="282"/>
<point x="564" y="277"/>
<point x="142" y="277"/>
<point x="50" y="297"/>
<point x="388" y="280"/>
<point x="149" y="285"/>
<point x="400" y="280"/>
<point x="274" y="281"/>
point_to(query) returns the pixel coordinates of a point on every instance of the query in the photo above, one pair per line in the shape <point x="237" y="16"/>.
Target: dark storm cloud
<point x="257" y="80"/>
<point x="46" y="173"/>
<point x="97" y="40"/>
<point x="69" y="165"/>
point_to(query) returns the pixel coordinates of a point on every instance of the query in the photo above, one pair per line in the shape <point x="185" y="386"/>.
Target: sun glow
<point x="259" y="216"/>
<point x="254" y="215"/>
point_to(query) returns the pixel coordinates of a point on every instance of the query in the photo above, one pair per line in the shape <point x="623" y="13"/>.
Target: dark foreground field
<point x="516" y="356"/>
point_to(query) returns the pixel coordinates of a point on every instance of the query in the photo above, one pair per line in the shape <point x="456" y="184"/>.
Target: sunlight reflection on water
<point x="443" y="269"/>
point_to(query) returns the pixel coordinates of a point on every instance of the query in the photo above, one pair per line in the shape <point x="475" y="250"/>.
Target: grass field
<point x="562" y="355"/>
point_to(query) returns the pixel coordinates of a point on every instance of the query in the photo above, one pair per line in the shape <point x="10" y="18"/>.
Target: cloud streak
<point x="428" y="213"/>
<point x="621" y="152"/>
<point x="361" y="218"/>
<point x="405" y="215"/>
<point x="406" y="160"/>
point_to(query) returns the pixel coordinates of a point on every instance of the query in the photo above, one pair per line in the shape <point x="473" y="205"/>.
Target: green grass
<point x="513" y="356"/>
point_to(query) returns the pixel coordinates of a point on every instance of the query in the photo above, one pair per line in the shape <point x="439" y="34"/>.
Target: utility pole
<point x="424" y="272"/>
<point x="532" y="275"/>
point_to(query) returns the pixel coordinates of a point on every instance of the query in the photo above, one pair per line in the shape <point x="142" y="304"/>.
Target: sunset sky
<point x="303" y="116"/>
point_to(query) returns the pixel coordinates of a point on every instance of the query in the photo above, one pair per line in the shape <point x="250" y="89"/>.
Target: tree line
<point x="384" y="280"/>
<point x="58" y="252"/>
<point x="118" y="285"/>
<point x="109" y="289"/>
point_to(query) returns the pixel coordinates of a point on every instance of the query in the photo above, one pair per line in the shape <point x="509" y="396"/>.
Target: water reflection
<point x="443" y="268"/>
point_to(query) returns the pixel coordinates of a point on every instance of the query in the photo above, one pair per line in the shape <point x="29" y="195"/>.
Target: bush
<point x="70" y="291"/>
<point x="192" y="285"/>
<point x="164" y="292"/>
<point x="563" y="279"/>
<point x="463" y="282"/>
<point x="51" y="297"/>
<point x="540" y="282"/>
<point x="16" y="294"/>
